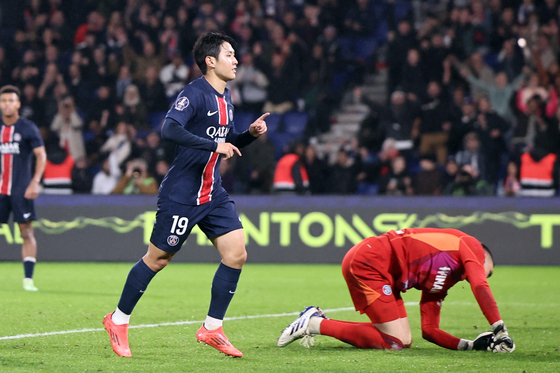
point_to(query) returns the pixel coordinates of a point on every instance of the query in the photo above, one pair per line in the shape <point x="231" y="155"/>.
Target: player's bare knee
<point x="235" y="259"/>
<point x="26" y="232"/>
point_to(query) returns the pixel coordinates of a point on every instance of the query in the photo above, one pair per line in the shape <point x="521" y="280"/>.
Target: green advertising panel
<point x="291" y="229"/>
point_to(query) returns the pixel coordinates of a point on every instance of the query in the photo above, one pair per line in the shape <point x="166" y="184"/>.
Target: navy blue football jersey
<point x="17" y="142"/>
<point x="194" y="175"/>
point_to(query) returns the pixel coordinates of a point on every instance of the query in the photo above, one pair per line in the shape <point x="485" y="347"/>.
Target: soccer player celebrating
<point x="201" y="124"/>
<point x="378" y="269"/>
<point x="19" y="141"/>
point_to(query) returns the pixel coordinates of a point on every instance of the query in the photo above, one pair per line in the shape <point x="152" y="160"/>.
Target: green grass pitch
<point x="58" y="329"/>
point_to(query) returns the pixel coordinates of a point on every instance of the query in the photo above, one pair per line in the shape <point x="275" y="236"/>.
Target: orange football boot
<point x="218" y="340"/>
<point x="118" y="335"/>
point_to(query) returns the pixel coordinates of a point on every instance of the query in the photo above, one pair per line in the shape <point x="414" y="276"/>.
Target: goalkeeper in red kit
<point x="378" y="269"/>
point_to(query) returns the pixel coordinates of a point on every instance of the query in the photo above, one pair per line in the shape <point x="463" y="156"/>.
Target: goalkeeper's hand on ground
<point x="502" y="341"/>
<point x="481" y="343"/>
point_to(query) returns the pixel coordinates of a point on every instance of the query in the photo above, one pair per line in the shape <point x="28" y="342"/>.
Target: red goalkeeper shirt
<point x="433" y="260"/>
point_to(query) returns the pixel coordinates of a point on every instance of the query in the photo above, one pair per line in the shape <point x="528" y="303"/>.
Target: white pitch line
<point x="46" y="334"/>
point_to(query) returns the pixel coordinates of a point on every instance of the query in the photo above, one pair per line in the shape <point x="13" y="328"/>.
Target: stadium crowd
<point x="472" y="87"/>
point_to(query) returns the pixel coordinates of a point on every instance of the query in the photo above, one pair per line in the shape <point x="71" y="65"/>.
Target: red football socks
<point x="360" y="334"/>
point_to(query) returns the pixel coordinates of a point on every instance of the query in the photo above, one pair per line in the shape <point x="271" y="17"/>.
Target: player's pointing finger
<point x="262" y="117"/>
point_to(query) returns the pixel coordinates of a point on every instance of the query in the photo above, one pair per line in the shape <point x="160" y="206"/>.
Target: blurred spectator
<point x="290" y="176"/>
<point x="174" y="75"/>
<point x="360" y="20"/>
<point x="397" y="182"/>
<point x="400" y="41"/>
<point x="82" y="179"/>
<point x="107" y="178"/>
<point x="491" y="130"/>
<point x="139" y="63"/>
<point x="413" y="81"/>
<point x="162" y="167"/>
<point x="31" y="106"/>
<point x="433" y="124"/>
<point x="136" y="180"/>
<point x="317" y="170"/>
<point x="462" y="125"/>
<point x="252" y="84"/>
<point x="123" y="81"/>
<point x="482" y="72"/>
<point x="500" y="92"/>
<point x="94" y="144"/>
<point x="102" y="108"/>
<point x="428" y="181"/>
<point x="67" y="124"/>
<point x="134" y="110"/>
<point x="512" y="186"/>
<point x="342" y="175"/>
<point x="152" y="92"/>
<point x="467" y="183"/>
<point x="472" y="156"/>
<point x="282" y="83"/>
<point x="261" y="162"/>
<point x="449" y="174"/>
<point x="155" y="150"/>
<point x="511" y="58"/>
<point x="79" y="88"/>
<point x="433" y="55"/>
<point x="538" y="174"/>
<point x="57" y="178"/>
<point x="395" y="121"/>
<point x="118" y="143"/>
<point x="367" y="171"/>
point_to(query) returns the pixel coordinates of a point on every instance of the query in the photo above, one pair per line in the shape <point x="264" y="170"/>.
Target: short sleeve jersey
<point x="194" y="176"/>
<point x="17" y="142"/>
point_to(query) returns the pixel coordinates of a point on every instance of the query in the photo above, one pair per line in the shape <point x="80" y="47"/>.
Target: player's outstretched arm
<point x="258" y="127"/>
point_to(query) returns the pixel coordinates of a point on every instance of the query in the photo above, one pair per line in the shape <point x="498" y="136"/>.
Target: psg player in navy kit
<point x="19" y="141"/>
<point x="200" y="122"/>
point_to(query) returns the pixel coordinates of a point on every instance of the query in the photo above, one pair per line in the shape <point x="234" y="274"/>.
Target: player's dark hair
<point x="10" y="89"/>
<point x="208" y="44"/>
<point x="488" y="251"/>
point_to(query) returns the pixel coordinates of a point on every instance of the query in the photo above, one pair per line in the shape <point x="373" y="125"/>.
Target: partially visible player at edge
<point x="378" y="269"/>
<point x="201" y="123"/>
<point x="19" y="186"/>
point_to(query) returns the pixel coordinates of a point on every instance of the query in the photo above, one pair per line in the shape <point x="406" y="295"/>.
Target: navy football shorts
<point x="174" y="221"/>
<point x="23" y="209"/>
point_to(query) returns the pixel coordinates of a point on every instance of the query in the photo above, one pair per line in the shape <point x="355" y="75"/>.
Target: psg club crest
<point x="172" y="240"/>
<point x="17" y="137"/>
<point x="386" y="288"/>
<point x="230" y="115"/>
<point x="181" y="103"/>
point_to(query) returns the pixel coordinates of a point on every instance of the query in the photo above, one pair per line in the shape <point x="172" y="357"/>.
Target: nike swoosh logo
<point x="25" y="216"/>
<point x="210" y="113"/>
<point x="232" y="292"/>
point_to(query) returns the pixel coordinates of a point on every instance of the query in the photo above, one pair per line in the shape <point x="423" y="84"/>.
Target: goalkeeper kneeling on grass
<point x="378" y="269"/>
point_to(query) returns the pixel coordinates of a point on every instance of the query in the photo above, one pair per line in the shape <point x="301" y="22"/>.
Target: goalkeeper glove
<point x="481" y="343"/>
<point x="502" y="341"/>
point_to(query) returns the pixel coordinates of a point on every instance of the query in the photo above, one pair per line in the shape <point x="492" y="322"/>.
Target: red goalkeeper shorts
<point x="366" y="271"/>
